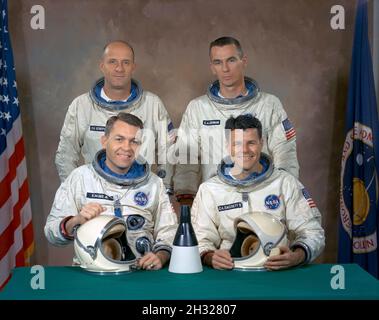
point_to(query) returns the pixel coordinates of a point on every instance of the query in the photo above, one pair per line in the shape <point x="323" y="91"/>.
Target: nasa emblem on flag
<point x="358" y="193"/>
<point x="141" y="198"/>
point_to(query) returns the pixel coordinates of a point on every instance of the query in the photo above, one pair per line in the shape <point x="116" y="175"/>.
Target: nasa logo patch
<point x="161" y="174"/>
<point x="140" y="198"/>
<point x="272" y="202"/>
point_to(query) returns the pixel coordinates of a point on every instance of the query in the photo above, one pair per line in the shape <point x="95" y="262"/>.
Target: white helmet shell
<point x="257" y="234"/>
<point x="101" y="245"/>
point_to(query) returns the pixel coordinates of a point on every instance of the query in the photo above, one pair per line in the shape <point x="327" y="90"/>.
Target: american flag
<point x="16" y="230"/>
<point x="289" y="129"/>
<point x="171" y="133"/>
<point x="307" y="197"/>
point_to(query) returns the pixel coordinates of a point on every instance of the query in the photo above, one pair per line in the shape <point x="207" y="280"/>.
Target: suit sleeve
<point x="187" y="175"/>
<point x="165" y="139"/>
<point x="282" y="140"/>
<point x="205" y="222"/>
<point x="64" y="205"/>
<point x="303" y="220"/>
<point x="70" y="143"/>
<point x="166" y="224"/>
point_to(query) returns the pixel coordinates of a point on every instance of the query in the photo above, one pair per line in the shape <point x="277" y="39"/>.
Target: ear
<point x="101" y="65"/>
<point x="134" y="66"/>
<point x="229" y="150"/>
<point x="244" y="60"/>
<point x="227" y="140"/>
<point x="103" y="141"/>
<point x="212" y="69"/>
<point x="228" y="147"/>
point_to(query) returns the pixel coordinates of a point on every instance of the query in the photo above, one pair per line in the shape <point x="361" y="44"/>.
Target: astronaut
<point x="118" y="182"/>
<point x="247" y="182"/>
<point x="201" y="130"/>
<point x="116" y="91"/>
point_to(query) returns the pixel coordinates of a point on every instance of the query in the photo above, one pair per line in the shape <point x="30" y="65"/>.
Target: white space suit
<point x="141" y="199"/>
<point x="201" y="133"/>
<point x="222" y="199"/>
<point x="85" y="123"/>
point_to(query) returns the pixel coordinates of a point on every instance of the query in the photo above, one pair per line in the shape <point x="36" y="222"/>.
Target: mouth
<point x="119" y="74"/>
<point x="124" y="156"/>
<point x="246" y="158"/>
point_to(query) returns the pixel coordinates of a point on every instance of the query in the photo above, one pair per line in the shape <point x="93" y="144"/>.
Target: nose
<point x="245" y="148"/>
<point x="225" y="66"/>
<point x="126" y="145"/>
<point x="120" y="67"/>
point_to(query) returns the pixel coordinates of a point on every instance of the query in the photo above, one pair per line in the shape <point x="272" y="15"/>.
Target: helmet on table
<point x="101" y="245"/>
<point x="257" y="236"/>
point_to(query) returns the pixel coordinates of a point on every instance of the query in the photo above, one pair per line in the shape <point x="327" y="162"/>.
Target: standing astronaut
<point x="115" y="92"/>
<point x="201" y="130"/>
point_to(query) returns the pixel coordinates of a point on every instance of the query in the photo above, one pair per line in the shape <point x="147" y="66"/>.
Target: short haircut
<point x="244" y="121"/>
<point x="124" y="117"/>
<point x="224" y="41"/>
<point x="119" y="41"/>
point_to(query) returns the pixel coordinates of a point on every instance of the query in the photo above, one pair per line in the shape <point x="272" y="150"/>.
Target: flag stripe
<point x="288" y="129"/>
<point x="312" y="204"/>
<point x="12" y="257"/>
<point x="20" y="256"/>
<point x="27" y="235"/>
<point x="5" y="217"/>
<point x="307" y="197"/>
<point x="290" y="134"/>
<point x="16" y="134"/>
<point x="6" y="238"/>
<point x="4" y="282"/>
<point x="14" y="161"/>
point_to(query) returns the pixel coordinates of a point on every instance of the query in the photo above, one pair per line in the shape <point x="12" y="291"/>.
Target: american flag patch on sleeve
<point x="307" y="197"/>
<point x="289" y="129"/>
<point x="171" y="132"/>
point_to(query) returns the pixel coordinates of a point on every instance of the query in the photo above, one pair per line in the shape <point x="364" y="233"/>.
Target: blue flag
<point x="359" y="210"/>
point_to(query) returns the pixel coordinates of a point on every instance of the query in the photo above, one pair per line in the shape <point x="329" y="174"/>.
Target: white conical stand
<point x="185" y="260"/>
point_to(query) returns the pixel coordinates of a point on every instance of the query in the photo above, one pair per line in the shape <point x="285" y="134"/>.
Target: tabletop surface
<point x="312" y="282"/>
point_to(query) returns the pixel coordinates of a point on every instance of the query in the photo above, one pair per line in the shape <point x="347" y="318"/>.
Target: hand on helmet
<point x="286" y="259"/>
<point x="90" y="211"/>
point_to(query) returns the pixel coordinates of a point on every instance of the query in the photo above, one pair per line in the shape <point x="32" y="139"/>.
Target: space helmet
<point x="258" y="235"/>
<point x="101" y="245"/>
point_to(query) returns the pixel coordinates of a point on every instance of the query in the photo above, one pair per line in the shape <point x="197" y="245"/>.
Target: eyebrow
<point x="241" y="140"/>
<point x="228" y="58"/>
<point x="114" y="58"/>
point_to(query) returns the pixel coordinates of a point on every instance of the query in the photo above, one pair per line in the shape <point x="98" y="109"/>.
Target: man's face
<point x="117" y="66"/>
<point x="227" y="65"/>
<point x="121" y="146"/>
<point x="245" y="148"/>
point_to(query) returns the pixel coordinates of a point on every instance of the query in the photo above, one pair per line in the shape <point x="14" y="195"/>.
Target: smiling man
<point x="118" y="182"/>
<point x="116" y="91"/>
<point x="232" y="94"/>
<point x="247" y="182"/>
